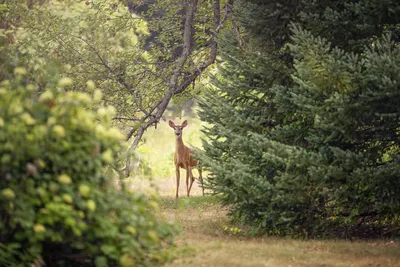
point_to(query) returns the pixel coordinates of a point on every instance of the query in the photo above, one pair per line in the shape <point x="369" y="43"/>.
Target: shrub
<point x="57" y="205"/>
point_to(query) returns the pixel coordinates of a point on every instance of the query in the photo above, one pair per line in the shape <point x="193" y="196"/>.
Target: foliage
<point x="130" y="49"/>
<point x="57" y="203"/>
<point x="308" y="144"/>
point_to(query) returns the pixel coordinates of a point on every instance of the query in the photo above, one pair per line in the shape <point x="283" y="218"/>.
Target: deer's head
<point x="178" y="128"/>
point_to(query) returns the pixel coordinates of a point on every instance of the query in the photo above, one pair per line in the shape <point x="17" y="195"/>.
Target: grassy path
<point x="204" y="242"/>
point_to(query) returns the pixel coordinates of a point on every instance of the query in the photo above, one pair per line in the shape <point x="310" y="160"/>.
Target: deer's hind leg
<point x="191" y="179"/>
<point x="201" y="179"/>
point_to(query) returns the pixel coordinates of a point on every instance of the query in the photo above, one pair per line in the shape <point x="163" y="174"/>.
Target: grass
<point x="209" y="239"/>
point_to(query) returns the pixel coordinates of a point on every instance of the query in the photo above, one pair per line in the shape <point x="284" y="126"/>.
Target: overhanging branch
<point x="174" y="87"/>
<point x="162" y="105"/>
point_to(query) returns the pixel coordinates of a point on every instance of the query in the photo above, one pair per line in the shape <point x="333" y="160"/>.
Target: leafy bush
<point x="56" y="203"/>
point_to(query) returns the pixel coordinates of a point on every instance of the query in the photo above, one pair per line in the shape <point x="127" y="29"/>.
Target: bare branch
<point x="125" y="119"/>
<point x="104" y="63"/>
<point x="236" y="27"/>
<point x="174" y="87"/>
<point x="213" y="53"/>
<point x="187" y="40"/>
<point x="228" y="8"/>
<point x="138" y="137"/>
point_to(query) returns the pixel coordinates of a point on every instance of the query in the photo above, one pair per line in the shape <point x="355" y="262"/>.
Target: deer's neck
<point x="180" y="147"/>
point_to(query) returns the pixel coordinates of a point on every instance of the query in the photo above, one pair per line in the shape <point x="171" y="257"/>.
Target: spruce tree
<point x="307" y="142"/>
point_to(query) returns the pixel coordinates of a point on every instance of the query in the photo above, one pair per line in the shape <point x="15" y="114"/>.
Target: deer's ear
<point x="185" y="123"/>
<point x="171" y="124"/>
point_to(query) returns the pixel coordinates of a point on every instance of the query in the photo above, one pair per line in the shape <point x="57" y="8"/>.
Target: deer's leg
<point x="201" y="179"/>
<point x="191" y="180"/>
<point x="187" y="179"/>
<point x="177" y="180"/>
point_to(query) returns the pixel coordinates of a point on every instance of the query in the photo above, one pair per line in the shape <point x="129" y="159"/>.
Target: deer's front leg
<point x="177" y="180"/>
<point x="187" y="179"/>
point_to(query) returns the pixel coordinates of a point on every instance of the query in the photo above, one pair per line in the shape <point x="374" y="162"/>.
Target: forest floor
<point x="209" y="239"/>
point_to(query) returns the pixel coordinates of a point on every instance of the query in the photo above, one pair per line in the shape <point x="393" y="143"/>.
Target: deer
<point x="183" y="158"/>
